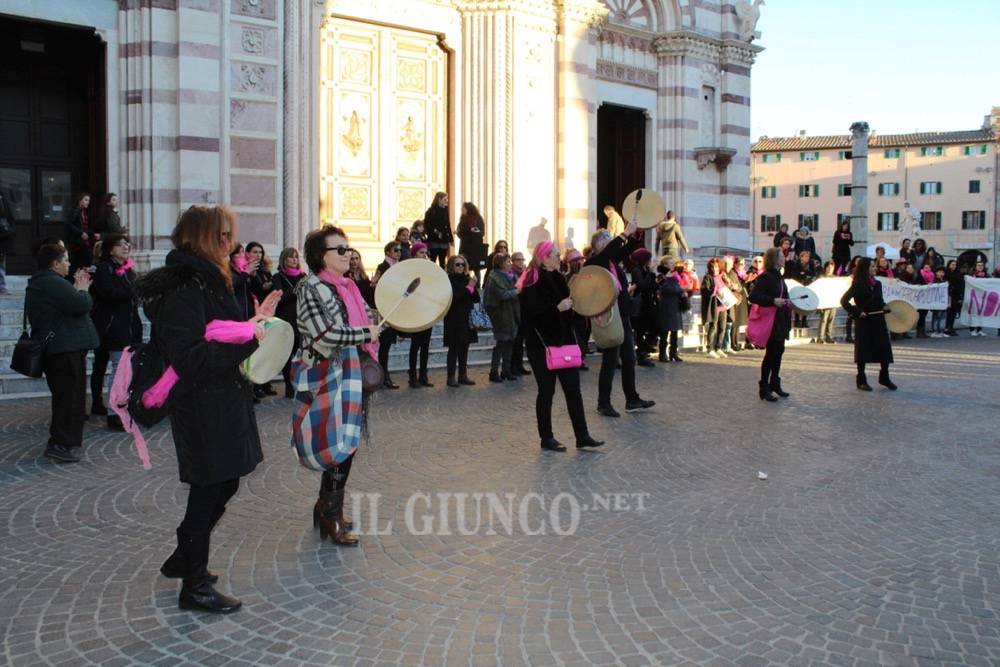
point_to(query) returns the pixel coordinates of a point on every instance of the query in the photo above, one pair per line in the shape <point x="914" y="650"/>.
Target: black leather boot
<point x="202" y="596"/>
<point x="776" y="388"/>
<point x="883" y="379"/>
<point x="178" y="565"/>
<point x="764" y="391"/>
<point x="862" y="382"/>
<point x="332" y="523"/>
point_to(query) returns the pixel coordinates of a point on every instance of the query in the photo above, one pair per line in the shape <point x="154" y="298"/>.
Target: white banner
<point x="921" y="297"/>
<point x="981" y="307"/>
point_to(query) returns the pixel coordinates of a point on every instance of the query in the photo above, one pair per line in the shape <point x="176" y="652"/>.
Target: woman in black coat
<point x="115" y="315"/>
<point x="458" y="335"/>
<point x="643" y="306"/>
<point x="80" y="234"/>
<point x="669" y="293"/>
<point x="769" y="290"/>
<point x="547" y="321"/>
<point x="863" y="301"/>
<point x="211" y="406"/>
<point x="288" y="275"/>
<point x="843" y="239"/>
<point x="956" y="295"/>
<point x="471" y="232"/>
<point x="437" y="228"/>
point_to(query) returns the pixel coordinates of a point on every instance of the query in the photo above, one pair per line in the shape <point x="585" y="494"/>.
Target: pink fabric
<point x="531" y="274"/>
<point x="241" y="263"/>
<point x="927" y="275"/>
<point x="391" y="261"/>
<point x="157" y="395"/>
<point x="357" y="313"/>
<point x="118" y="397"/>
<point x="760" y="323"/>
<point x="228" y="331"/>
<point x="471" y="288"/>
<point x="573" y="256"/>
<point x="417" y="247"/>
<point x="124" y="268"/>
<point x="293" y="272"/>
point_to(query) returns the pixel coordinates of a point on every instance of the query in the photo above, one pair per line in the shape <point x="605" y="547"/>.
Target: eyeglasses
<point x="395" y="250"/>
<point x="459" y="265"/>
<point x="341" y="249"/>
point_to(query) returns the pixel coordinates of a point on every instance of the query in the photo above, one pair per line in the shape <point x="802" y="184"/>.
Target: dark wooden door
<point x="51" y="129"/>
<point x="621" y="155"/>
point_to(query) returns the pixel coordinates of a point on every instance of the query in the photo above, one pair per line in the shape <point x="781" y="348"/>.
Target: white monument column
<point x="859" y="183"/>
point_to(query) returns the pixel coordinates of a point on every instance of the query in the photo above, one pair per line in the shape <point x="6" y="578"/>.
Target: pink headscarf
<point x="531" y="274"/>
<point x="357" y="313"/>
<point x="417" y="247"/>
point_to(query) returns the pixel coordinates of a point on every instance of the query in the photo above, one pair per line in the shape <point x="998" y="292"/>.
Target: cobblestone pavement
<point x="874" y="540"/>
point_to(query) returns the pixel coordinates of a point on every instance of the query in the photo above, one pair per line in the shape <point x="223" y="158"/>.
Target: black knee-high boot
<point x="862" y="381"/>
<point x="883" y="377"/>
<point x="332" y="521"/>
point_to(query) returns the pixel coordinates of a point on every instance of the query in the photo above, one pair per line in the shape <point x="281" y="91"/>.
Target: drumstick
<point x="410" y="289"/>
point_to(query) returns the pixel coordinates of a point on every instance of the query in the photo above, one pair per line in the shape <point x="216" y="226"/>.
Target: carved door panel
<point x="383" y="112"/>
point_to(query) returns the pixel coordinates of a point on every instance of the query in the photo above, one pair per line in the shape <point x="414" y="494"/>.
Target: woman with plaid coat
<point x="329" y="419"/>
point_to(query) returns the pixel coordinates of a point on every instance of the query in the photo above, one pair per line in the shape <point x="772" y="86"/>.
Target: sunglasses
<point x="341" y="249"/>
<point x="459" y="265"/>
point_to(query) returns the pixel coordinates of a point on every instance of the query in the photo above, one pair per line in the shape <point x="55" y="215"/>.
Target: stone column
<point x="580" y="23"/>
<point x="859" y="183"/>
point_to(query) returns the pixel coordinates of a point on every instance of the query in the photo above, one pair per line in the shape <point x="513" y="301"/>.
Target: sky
<point x="901" y="65"/>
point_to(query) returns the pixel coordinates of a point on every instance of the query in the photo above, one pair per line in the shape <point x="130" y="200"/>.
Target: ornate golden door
<point x="383" y="118"/>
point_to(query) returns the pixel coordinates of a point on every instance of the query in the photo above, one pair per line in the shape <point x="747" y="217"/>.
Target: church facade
<point x="299" y="112"/>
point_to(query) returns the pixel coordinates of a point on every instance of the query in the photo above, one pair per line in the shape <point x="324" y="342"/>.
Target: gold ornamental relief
<point x="352" y="137"/>
<point x="410" y="204"/>
<point x="411" y="75"/>
<point x="355" y="66"/>
<point x="355" y="202"/>
<point x="412" y="139"/>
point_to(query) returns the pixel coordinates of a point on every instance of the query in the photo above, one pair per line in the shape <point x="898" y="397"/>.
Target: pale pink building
<point x="948" y="177"/>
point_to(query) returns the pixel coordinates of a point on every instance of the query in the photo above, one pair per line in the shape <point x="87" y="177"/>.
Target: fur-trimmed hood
<point x="182" y="270"/>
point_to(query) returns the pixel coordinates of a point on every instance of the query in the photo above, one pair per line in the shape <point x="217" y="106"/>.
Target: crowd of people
<point x="86" y="296"/>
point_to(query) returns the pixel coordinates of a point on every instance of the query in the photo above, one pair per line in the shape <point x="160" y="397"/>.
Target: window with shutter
<point x="973" y="187"/>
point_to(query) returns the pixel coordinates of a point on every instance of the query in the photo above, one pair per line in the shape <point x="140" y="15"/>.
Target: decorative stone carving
<point x="252" y="41"/>
<point x="717" y="155"/>
<point x="251" y="77"/>
<point x="748" y="15"/>
<point x="627" y="74"/>
<point x="635" y="13"/>
<point x="710" y="74"/>
<point x="251" y="7"/>
<point x="684" y="43"/>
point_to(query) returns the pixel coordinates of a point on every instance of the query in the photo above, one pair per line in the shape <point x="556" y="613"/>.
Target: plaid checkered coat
<point x="328" y="420"/>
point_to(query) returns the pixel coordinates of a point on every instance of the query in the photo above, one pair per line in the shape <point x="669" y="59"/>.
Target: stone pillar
<point x="580" y="24"/>
<point x="859" y="183"/>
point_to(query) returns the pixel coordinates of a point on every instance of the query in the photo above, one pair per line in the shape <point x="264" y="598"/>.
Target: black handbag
<point x="29" y="354"/>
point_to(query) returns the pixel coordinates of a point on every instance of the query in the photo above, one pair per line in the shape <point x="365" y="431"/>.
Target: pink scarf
<point x="391" y="261"/>
<point x="532" y="273"/>
<point x="927" y="275"/>
<point x="125" y="268"/>
<point x="357" y="314"/>
<point x="293" y="272"/>
<point x="241" y="263"/>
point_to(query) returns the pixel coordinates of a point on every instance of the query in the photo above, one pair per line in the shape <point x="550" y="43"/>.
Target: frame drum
<point x="645" y="207"/>
<point x="426" y="305"/>
<point x="804" y="300"/>
<point x="270" y="356"/>
<point x="592" y="290"/>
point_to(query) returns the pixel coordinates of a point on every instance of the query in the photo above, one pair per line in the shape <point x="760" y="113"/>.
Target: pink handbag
<point x="564" y="356"/>
<point x="760" y="323"/>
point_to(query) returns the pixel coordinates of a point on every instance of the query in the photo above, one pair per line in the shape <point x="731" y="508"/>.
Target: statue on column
<point x="748" y="14"/>
<point x="910" y="228"/>
<point x="670" y="239"/>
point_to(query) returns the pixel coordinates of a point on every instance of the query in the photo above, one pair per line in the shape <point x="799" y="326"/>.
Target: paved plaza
<point x="874" y="540"/>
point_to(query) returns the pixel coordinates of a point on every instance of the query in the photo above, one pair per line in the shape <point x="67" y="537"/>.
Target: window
<point x="931" y="221"/>
<point x="973" y="219"/>
<point x="975" y="150"/>
<point x="845" y="155"/>
<point x="892" y="153"/>
<point x="843" y="217"/>
<point x="973" y="187"/>
<point x="809" y="157"/>
<point x="930" y="188"/>
<point x="888" y="222"/>
<point x="771" y="157"/>
<point x="888" y="189"/>
<point x="809" y="191"/>
<point x="770" y="223"/>
<point x="844" y="190"/>
<point x="809" y="220"/>
<point x="769" y="192"/>
<point x="931" y="151"/>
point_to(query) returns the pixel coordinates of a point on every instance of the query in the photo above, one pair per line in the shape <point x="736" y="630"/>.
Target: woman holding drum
<point x="863" y="301"/>
<point x="547" y="320"/>
<point x="769" y="291"/>
<point x="211" y="406"/>
<point x="329" y="421"/>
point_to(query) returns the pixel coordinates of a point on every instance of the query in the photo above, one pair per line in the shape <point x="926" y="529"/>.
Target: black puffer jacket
<point x="456" y="322"/>
<point x="211" y="407"/>
<point x="116" y="311"/>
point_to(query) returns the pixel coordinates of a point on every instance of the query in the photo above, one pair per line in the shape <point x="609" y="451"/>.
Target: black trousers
<point x="97" y="373"/>
<point x="672" y="336"/>
<point x="458" y="354"/>
<point x="953" y="312"/>
<point x="66" y="375"/>
<point x="439" y="255"/>
<point x="770" y="367"/>
<point x="922" y="321"/>
<point x="385" y="341"/>
<point x="500" y="359"/>
<point x="205" y="506"/>
<point x="569" y="378"/>
<point x="609" y="363"/>
<point x="420" y="343"/>
<point x="517" y="350"/>
<point x="850" y="327"/>
<point x="286" y="370"/>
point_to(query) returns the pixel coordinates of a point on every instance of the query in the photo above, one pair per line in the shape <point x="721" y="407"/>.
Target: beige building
<point x="948" y="178"/>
